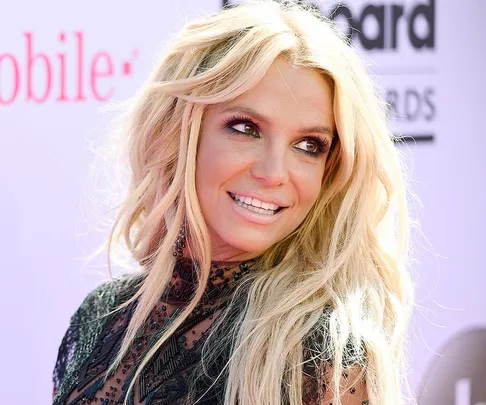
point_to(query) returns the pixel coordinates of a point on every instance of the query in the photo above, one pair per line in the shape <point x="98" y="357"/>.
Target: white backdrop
<point x="98" y="50"/>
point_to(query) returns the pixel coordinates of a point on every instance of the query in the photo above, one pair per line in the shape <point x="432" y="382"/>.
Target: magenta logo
<point x="69" y="75"/>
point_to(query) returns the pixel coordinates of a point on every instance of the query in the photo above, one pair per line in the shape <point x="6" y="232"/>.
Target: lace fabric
<point x="173" y="375"/>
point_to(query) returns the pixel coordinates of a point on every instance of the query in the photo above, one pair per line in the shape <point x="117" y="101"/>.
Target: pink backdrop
<point x="59" y="63"/>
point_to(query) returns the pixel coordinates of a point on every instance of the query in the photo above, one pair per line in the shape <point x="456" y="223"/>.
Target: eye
<point x="241" y="125"/>
<point x="313" y="146"/>
<point x="308" y="145"/>
<point x="246" y="128"/>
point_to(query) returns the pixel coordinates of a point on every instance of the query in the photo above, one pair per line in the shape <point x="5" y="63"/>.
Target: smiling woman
<point x="267" y="217"/>
<point x="271" y="155"/>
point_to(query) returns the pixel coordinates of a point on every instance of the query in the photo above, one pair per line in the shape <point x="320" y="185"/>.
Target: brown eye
<point x="245" y="128"/>
<point x="308" y="146"/>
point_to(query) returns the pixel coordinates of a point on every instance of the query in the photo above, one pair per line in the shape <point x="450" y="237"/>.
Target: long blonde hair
<point x="348" y="255"/>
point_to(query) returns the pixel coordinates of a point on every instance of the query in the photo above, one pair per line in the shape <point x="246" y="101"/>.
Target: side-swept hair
<point x="346" y="260"/>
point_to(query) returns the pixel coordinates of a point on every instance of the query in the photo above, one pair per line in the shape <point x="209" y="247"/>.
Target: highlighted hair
<point x="349" y="254"/>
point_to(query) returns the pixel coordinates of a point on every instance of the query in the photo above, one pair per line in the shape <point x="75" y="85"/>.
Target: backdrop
<point x="61" y="61"/>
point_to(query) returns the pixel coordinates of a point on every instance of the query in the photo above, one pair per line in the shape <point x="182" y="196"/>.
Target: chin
<point x="252" y="245"/>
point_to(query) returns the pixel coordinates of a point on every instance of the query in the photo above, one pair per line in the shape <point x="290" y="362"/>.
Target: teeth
<point x="254" y="209"/>
<point x="255" y="205"/>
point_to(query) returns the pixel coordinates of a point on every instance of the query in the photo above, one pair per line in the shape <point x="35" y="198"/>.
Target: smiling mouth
<point x="259" y="210"/>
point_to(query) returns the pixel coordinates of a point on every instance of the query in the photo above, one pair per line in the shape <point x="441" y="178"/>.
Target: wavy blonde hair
<point x="348" y="255"/>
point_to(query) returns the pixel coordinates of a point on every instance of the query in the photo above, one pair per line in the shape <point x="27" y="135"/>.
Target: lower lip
<point x="255" y="217"/>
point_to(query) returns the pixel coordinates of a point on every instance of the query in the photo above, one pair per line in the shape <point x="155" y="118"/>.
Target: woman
<point x="267" y="213"/>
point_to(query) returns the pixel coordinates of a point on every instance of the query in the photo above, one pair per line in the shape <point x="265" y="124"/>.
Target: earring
<point x="180" y="242"/>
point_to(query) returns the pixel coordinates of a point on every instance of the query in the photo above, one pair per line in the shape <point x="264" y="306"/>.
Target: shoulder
<point x="320" y="342"/>
<point x="86" y="326"/>
<point x="106" y="297"/>
<point x="322" y="353"/>
<point x="99" y="300"/>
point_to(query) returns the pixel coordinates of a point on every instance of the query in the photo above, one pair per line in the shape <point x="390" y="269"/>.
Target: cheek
<point x="219" y="159"/>
<point x="215" y="167"/>
<point x="212" y="169"/>
<point x="206" y="166"/>
<point x="308" y="185"/>
<point x="311" y="193"/>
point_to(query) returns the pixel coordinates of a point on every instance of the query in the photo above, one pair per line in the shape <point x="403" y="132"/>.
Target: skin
<point x="283" y="116"/>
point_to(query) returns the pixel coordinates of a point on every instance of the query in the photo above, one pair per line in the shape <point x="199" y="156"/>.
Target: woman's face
<point x="261" y="160"/>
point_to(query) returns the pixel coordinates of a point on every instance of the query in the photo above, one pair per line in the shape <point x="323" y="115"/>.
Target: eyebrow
<point x="323" y="129"/>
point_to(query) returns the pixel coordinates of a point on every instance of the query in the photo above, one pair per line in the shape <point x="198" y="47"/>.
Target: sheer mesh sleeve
<point x="318" y="385"/>
<point x="352" y="385"/>
<point x="85" y="326"/>
<point x="318" y="370"/>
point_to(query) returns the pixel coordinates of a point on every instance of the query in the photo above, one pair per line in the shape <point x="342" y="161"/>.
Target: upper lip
<point x="262" y="197"/>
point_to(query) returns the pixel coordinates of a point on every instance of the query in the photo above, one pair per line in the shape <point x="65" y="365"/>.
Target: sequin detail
<point x="93" y="340"/>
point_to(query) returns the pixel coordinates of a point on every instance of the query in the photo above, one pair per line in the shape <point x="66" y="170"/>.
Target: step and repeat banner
<point x="61" y="62"/>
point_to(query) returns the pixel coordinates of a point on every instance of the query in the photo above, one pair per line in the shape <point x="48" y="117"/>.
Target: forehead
<point x="291" y="95"/>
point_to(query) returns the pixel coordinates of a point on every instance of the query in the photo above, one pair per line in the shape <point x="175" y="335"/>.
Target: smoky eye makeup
<point x="246" y="126"/>
<point x="244" y="123"/>
<point x="321" y="145"/>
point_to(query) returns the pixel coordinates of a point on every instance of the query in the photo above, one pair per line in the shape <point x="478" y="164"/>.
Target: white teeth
<point x="254" y="209"/>
<point x="254" y="205"/>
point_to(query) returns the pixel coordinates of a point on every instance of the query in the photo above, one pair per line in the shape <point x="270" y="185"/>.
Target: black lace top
<point x="174" y="374"/>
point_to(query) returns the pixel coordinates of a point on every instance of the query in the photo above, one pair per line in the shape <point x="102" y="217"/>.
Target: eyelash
<point x="323" y="145"/>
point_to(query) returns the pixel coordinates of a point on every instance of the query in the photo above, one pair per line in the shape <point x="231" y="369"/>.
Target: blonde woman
<point x="267" y="213"/>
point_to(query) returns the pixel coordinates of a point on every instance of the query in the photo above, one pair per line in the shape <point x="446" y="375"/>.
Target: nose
<point x="271" y="167"/>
